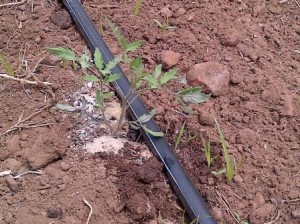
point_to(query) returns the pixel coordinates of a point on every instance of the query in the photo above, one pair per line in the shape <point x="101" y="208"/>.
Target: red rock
<point x="213" y="76"/>
<point x="166" y="12"/>
<point x="169" y="58"/>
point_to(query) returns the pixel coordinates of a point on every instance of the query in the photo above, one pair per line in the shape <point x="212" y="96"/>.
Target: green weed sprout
<point x="137" y="7"/>
<point x="180" y="135"/>
<point x="207" y="150"/>
<point x="163" y="26"/>
<point x="7" y="65"/>
<point x="229" y="169"/>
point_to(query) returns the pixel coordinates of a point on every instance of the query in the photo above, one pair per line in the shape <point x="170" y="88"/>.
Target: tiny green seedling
<point x="137" y="6"/>
<point x="163" y="26"/>
<point x="7" y="65"/>
<point x="180" y="135"/>
<point x="207" y="150"/>
<point x="229" y="165"/>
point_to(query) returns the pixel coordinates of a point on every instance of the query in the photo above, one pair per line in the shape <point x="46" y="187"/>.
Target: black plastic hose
<point x="187" y="193"/>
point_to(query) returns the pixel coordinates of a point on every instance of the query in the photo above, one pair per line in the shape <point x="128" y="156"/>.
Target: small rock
<point x="217" y="213"/>
<point x="62" y="19"/>
<point x="22" y="7"/>
<point x="205" y="118"/>
<point x="166" y="12"/>
<point x="169" y="58"/>
<point x="231" y="38"/>
<point x="296" y="213"/>
<point x="180" y="12"/>
<point x="37" y="39"/>
<point x="275" y="9"/>
<point x="13" y="144"/>
<point x="190" y="17"/>
<point x="238" y="179"/>
<point x="12" y="164"/>
<point x="265" y="211"/>
<point x="22" y="17"/>
<point x="12" y="184"/>
<point x="55" y="212"/>
<point x="141" y="207"/>
<point x="213" y="76"/>
<point x="258" y="201"/>
<point x="64" y="166"/>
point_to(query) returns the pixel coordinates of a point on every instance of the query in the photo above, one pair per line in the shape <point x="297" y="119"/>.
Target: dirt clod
<point x="61" y="19"/>
<point x="169" y="58"/>
<point x="213" y="76"/>
<point x="141" y="207"/>
<point x="12" y="184"/>
<point x="149" y="171"/>
<point x="54" y="212"/>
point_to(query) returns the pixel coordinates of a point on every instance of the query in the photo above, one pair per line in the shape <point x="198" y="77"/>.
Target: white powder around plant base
<point x="106" y="144"/>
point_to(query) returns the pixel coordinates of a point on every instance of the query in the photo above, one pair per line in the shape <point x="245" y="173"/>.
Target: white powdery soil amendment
<point x="106" y="144"/>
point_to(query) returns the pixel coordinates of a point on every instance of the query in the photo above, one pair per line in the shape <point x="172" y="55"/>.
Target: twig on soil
<point x="38" y="172"/>
<point x="91" y="210"/>
<point x="297" y="3"/>
<point x="20" y="125"/>
<point x="227" y="206"/>
<point x="22" y="81"/>
<point x="9" y="173"/>
<point x="13" y="3"/>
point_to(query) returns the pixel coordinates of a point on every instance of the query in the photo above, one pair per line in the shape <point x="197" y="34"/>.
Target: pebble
<point x="12" y="164"/>
<point x="12" y="184"/>
<point x="22" y="17"/>
<point x="190" y="17"/>
<point x="38" y="39"/>
<point x="258" y="201"/>
<point x="169" y="58"/>
<point x="238" y="179"/>
<point x="231" y="38"/>
<point x="64" y="166"/>
<point x="296" y="213"/>
<point x="212" y="76"/>
<point x="265" y="211"/>
<point x="54" y="212"/>
<point x="166" y="12"/>
<point x="180" y="12"/>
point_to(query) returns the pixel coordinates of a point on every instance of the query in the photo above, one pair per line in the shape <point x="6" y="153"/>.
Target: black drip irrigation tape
<point x="186" y="191"/>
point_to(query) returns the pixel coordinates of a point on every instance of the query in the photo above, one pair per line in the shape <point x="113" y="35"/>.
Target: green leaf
<point x="168" y="76"/>
<point x="111" y="65"/>
<point x="117" y="34"/>
<point x="157" y="71"/>
<point x="66" y="107"/>
<point x="193" y="95"/>
<point x="219" y="172"/>
<point x="91" y="78"/>
<point x="134" y="125"/>
<point x="137" y="6"/>
<point x="134" y="46"/>
<point x="108" y="95"/>
<point x="112" y="78"/>
<point x="153" y="133"/>
<point x="158" y="23"/>
<point x="146" y="117"/>
<point x="6" y="65"/>
<point x="64" y="54"/>
<point x="99" y="99"/>
<point x="84" y="61"/>
<point x="98" y="59"/>
<point x="151" y="81"/>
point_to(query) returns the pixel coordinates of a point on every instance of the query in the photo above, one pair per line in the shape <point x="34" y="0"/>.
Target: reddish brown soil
<point x="258" y="42"/>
